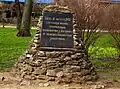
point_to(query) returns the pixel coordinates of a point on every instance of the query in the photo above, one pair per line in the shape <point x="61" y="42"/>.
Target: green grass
<point x="11" y="47"/>
<point x="105" y="40"/>
<point x="103" y="53"/>
<point x="103" y="47"/>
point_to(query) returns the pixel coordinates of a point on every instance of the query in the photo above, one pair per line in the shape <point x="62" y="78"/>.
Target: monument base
<point x="60" y="67"/>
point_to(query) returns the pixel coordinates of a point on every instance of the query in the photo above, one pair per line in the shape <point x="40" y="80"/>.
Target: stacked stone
<point x="56" y="66"/>
<point x="57" y="8"/>
<point x="23" y="67"/>
<point x="61" y="67"/>
<point x="78" y="44"/>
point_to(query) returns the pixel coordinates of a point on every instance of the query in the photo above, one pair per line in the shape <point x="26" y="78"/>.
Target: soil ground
<point x="110" y="79"/>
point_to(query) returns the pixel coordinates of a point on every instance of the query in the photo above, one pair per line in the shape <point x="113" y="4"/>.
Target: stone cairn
<point x="56" y="66"/>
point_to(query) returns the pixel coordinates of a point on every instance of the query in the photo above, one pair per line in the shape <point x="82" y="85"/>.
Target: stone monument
<point x="56" y="53"/>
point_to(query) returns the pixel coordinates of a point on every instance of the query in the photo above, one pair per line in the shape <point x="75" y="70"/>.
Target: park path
<point x="9" y="81"/>
<point x="8" y="26"/>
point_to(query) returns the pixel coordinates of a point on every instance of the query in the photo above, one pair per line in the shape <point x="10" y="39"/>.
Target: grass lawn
<point x="11" y="47"/>
<point x="103" y="47"/>
<point x="104" y="54"/>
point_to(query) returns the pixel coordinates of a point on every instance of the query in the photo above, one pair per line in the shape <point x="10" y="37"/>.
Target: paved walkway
<point x="14" y="27"/>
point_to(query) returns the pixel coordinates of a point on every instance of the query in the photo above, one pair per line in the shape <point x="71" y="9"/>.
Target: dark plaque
<point x="57" y="30"/>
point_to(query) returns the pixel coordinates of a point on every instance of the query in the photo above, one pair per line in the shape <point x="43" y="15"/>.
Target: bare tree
<point x="19" y="14"/>
<point x="26" y="19"/>
<point x="2" y="14"/>
<point x="112" y="24"/>
<point x="88" y="16"/>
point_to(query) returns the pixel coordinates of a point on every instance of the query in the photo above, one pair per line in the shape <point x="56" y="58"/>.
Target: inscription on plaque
<point x="57" y="30"/>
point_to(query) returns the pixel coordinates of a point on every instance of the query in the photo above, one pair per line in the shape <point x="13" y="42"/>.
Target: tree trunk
<point x="26" y="19"/>
<point x="19" y="15"/>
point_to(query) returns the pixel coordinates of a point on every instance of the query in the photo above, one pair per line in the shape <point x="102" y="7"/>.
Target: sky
<point x="38" y="1"/>
<point x="116" y="0"/>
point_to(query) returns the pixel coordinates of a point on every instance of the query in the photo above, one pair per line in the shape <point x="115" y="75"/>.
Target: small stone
<point x="37" y="62"/>
<point x="41" y="54"/>
<point x="33" y="77"/>
<point x="51" y="73"/>
<point x="25" y="82"/>
<point x="76" y="39"/>
<point x="80" y="45"/>
<point x="42" y="58"/>
<point x="75" y="25"/>
<point x="78" y="54"/>
<point x="39" y="71"/>
<point x="72" y="88"/>
<point x="36" y="41"/>
<point x="90" y="83"/>
<point x="28" y="55"/>
<point x="73" y="31"/>
<point x="98" y="87"/>
<point x="67" y="58"/>
<point x="34" y="45"/>
<point x="50" y="60"/>
<point x="52" y="54"/>
<point x="37" y="35"/>
<point x="41" y="77"/>
<point x="66" y="85"/>
<point x="41" y="84"/>
<point x="76" y="43"/>
<point x="27" y="77"/>
<point x="31" y="59"/>
<point x="75" y="68"/>
<point x="46" y="84"/>
<point x="33" y="48"/>
<point x="60" y="74"/>
<point x="51" y="78"/>
<point x="23" y="74"/>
